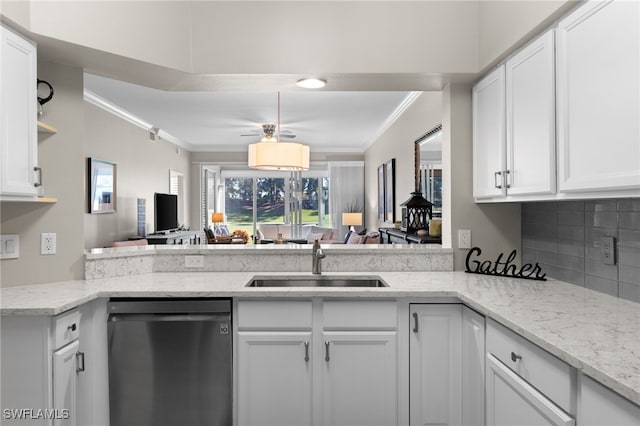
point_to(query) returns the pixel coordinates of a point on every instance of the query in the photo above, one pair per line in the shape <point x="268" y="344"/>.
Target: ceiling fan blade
<point x="252" y="134"/>
<point x="291" y="136"/>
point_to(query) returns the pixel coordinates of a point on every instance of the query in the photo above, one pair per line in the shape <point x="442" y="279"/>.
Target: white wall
<point x="143" y="168"/>
<point x="398" y="142"/>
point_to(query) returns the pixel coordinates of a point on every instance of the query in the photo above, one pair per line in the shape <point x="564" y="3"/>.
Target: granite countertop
<point x="595" y="333"/>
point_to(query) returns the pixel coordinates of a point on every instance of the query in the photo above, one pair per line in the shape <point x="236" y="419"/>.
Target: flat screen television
<point x="166" y="212"/>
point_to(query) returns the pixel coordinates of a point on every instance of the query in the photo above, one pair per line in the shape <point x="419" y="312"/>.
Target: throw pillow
<point x="354" y="238"/>
<point x="311" y="237"/>
<point x="326" y="232"/>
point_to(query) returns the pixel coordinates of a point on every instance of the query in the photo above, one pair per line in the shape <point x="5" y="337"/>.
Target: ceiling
<point x="327" y="121"/>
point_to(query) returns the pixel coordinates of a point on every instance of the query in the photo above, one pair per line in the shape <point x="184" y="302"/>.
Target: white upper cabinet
<point x="489" y="135"/>
<point x="531" y="140"/>
<point x="18" y="116"/>
<point x="514" y="125"/>
<point x="598" y="96"/>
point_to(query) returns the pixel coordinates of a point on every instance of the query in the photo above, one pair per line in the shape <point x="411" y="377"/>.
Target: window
<point x="249" y="198"/>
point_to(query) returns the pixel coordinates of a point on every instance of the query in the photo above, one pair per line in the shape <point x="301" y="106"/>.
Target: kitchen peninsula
<point x="595" y="334"/>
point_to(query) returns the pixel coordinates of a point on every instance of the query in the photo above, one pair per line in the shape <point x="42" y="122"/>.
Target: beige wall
<point x="62" y="160"/>
<point x="495" y="228"/>
<point x="504" y="25"/>
<point x="398" y="142"/>
<point x="143" y="168"/>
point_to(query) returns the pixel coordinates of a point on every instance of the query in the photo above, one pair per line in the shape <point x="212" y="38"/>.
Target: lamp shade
<point x="352" y="219"/>
<point x="217" y="217"/>
<point x="278" y="156"/>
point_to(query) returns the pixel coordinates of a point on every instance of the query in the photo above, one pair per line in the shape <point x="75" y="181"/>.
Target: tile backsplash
<point x="565" y="238"/>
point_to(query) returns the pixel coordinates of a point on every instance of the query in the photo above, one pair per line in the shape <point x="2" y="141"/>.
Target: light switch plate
<point x="9" y="246"/>
<point x="608" y="247"/>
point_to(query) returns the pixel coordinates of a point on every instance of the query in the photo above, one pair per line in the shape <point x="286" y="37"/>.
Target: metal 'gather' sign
<point x="502" y="268"/>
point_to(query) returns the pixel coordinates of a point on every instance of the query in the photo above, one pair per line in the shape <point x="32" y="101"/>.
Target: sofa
<point x="270" y="231"/>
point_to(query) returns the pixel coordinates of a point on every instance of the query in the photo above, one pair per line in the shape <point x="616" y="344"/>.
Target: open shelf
<point x="41" y="200"/>
<point x="46" y="128"/>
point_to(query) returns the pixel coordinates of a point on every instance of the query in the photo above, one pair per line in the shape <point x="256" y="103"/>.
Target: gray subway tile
<point x="629" y="204"/>
<point x="601" y="284"/>
<point x="629" y="220"/>
<point x="601" y="206"/>
<point x="573" y="248"/>
<point x="573" y="277"/>
<point x="570" y="232"/>
<point x="629" y="274"/>
<point x="571" y="206"/>
<point x="599" y="269"/>
<point x="629" y="256"/>
<point x="547" y="257"/>
<point x="546" y="244"/>
<point x="570" y="262"/>
<point x="629" y="238"/>
<point x="593" y="235"/>
<point x="602" y="219"/>
<point x="528" y="241"/>
<point x="571" y="217"/>
<point x="629" y="292"/>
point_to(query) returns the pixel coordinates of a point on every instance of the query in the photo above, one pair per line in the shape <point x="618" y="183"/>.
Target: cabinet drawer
<point x="66" y="328"/>
<point x="274" y="315"/>
<point x="548" y="374"/>
<point x="360" y="315"/>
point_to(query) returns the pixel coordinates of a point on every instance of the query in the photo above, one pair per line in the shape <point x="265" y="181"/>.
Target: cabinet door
<point x="18" y="137"/>
<point x="274" y="378"/>
<point x="435" y="360"/>
<point x="473" y="353"/>
<point x="601" y="406"/>
<point x="511" y="401"/>
<point x="530" y="106"/>
<point x="65" y="384"/>
<point x="359" y="383"/>
<point x="489" y="135"/>
<point x="598" y="64"/>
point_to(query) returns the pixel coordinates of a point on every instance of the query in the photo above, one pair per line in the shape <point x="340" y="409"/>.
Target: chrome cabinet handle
<point x="515" y="357"/>
<point x="495" y="180"/>
<point x="326" y="351"/>
<point x="79" y="361"/>
<point x="306" y="351"/>
<point x="415" y="320"/>
<point x="39" y="182"/>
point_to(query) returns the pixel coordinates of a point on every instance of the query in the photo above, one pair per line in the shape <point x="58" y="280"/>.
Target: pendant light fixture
<point x="276" y="155"/>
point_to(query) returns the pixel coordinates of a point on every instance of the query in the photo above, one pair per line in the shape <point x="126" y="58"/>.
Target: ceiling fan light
<point x="311" y="83"/>
<point x="290" y="156"/>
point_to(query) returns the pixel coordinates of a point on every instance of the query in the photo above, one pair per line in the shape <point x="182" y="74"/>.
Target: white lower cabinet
<point x="274" y="378"/>
<point x="600" y="406"/>
<point x="359" y="378"/>
<point x="317" y="362"/>
<point x="446" y="350"/>
<point x="524" y="384"/>
<point x="66" y="366"/>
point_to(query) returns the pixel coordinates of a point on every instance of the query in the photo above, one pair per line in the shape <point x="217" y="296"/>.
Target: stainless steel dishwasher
<point x="170" y="362"/>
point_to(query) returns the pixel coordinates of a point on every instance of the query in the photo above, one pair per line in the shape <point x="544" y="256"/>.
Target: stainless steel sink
<point x="317" y="281"/>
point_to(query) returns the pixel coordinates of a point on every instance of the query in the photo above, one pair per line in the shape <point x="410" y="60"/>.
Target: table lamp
<point x="352" y="220"/>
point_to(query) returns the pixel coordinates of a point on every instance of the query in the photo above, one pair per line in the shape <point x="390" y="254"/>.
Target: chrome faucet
<point x="318" y="255"/>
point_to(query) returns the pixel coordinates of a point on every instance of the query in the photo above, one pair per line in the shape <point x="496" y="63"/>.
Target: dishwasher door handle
<point x="168" y="317"/>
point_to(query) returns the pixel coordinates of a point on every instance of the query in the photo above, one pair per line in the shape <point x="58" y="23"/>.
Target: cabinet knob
<point x="515" y="357"/>
<point x="72" y="327"/>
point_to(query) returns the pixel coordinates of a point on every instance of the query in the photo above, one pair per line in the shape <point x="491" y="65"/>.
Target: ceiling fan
<point x="268" y="132"/>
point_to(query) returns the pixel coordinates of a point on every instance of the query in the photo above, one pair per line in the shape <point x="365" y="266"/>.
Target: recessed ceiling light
<point x="311" y="83"/>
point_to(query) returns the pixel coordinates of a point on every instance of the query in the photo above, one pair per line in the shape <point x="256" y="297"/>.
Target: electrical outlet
<point x="608" y="245"/>
<point x="48" y="243"/>
<point x="9" y="246"/>
<point x="464" y="238"/>
<point x="192" y="261"/>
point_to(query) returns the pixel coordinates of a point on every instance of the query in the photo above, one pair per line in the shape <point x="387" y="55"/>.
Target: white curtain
<point x="346" y="191"/>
